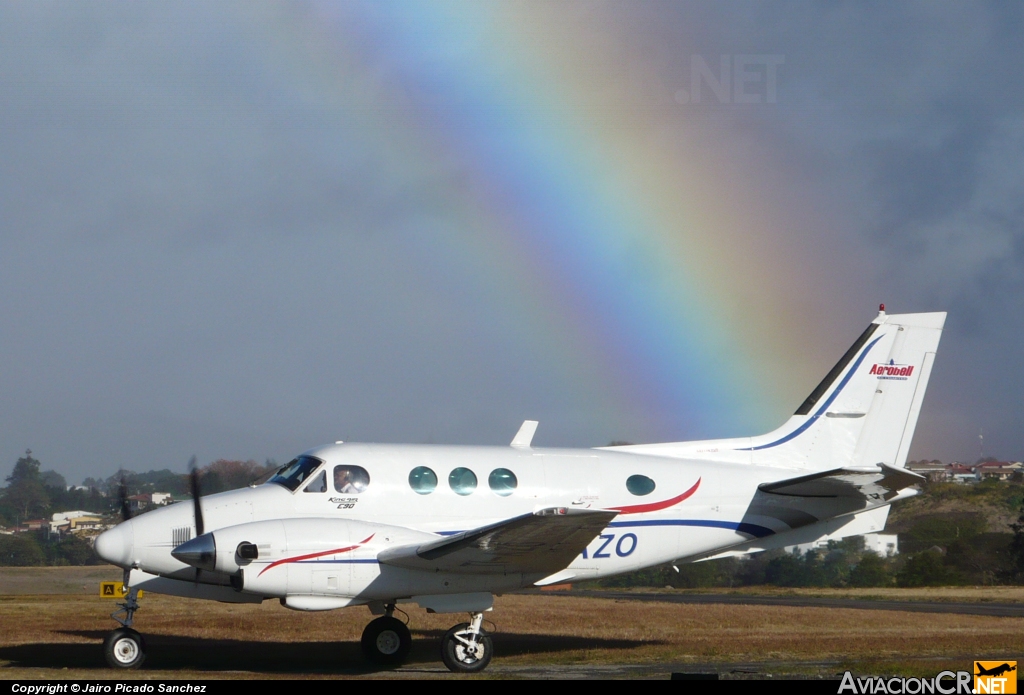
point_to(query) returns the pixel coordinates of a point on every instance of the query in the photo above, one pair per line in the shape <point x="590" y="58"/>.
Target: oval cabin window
<point x="639" y="485"/>
<point x="462" y="481"/>
<point x="502" y="481"/>
<point x="422" y="480"/>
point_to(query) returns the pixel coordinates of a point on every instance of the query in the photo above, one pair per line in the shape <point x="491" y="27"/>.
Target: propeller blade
<point x="122" y="496"/>
<point x="197" y="508"/>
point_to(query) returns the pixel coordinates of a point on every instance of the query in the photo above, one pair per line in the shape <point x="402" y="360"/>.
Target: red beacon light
<point x="881" y="308"/>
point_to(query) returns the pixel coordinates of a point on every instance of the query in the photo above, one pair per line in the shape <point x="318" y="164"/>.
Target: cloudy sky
<point x="242" y="230"/>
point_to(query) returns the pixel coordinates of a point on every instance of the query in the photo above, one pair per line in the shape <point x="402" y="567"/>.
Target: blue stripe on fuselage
<point x="741" y="527"/>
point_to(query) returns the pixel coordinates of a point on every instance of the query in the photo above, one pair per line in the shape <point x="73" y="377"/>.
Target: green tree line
<point x="33" y="493"/>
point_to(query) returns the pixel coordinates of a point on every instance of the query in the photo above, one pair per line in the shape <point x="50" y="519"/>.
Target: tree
<point x="53" y="479"/>
<point x="70" y="550"/>
<point x="927" y="569"/>
<point x="1015" y="571"/>
<point x="25" y="493"/>
<point x="223" y="474"/>
<point x="872" y="570"/>
<point x="20" y="550"/>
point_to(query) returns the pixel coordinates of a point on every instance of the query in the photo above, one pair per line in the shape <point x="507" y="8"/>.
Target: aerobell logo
<point x="892" y="371"/>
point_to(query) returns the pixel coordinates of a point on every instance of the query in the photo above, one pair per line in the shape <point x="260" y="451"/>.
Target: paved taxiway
<point x="1000" y="610"/>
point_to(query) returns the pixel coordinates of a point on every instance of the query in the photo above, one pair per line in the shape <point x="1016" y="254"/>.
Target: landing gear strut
<point x="466" y="648"/>
<point x="124" y="647"/>
<point x="386" y="641"/>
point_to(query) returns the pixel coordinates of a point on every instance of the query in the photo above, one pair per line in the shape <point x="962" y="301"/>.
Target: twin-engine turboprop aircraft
<point x="448" y="527"/>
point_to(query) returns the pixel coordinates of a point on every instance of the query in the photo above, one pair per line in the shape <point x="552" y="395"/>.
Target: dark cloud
<point x="196" y="256"/>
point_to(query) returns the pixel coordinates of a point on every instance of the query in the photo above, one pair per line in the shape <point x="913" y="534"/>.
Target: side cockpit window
<point x="293" y="475"/>
<point x="351" y="480"/>
<point x="319" y="484"/>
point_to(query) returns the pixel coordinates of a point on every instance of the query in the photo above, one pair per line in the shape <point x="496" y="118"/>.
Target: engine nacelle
<point x="296" y="556"/>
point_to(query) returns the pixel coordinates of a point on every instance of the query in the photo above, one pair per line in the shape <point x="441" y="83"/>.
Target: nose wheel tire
<point x="461" y="653"/>
<point x="124" y="648"/>
<point x="386" y="642"/>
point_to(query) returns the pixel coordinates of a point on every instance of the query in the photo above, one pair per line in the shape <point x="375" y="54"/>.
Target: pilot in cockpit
<point x="344" y="481"/>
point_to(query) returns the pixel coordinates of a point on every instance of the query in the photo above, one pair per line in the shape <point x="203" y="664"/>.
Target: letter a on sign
<point x="113" y="590"/>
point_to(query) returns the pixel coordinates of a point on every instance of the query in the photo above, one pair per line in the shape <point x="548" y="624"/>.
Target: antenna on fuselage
<point x="524" y="437"/>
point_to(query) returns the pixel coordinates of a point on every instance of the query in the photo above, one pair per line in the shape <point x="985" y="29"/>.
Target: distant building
<point x="961" y="473"/>
<point x="32" y="525"/>
<point x="1000" y="470"/>
<point x="64" y="516"/>
<point x="137" y="503"/>
<point x="161" y="498"/>
<point x="934" y="471"/>
<point x="884" y="544"/>
<point x="73" y="522"/>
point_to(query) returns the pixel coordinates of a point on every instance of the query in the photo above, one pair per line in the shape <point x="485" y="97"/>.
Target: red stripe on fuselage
<point x="656" y="506"/>
<point x="336" y="551"/>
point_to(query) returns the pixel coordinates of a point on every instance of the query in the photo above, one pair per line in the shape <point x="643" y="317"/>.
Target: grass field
<point x="52" y="622"/>
<point x="945" y="594"/>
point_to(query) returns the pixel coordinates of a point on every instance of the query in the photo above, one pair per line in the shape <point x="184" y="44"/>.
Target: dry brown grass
<point x="41" y="636"/>
<point x="948" y="594"/>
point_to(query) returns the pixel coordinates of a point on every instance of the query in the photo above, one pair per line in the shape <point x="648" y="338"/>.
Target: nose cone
<point x="199" y="552"/>
<point x="115" y="546"/>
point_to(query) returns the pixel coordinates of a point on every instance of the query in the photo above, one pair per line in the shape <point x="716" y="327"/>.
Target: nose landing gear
<point x="124" y="647"/>
<point x="466" y="648"/>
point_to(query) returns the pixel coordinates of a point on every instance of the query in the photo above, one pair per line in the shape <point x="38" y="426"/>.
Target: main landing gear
<point x="386" y="641"/>
<point x="124" y="647"/>
<point x="466" y="648"/>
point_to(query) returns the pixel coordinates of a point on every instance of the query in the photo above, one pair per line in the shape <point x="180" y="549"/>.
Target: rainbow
<point x="645" y="249"/>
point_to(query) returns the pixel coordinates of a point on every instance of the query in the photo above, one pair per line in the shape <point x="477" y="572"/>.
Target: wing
<point x="868" y="484"/>
<point x="542" y="543"/>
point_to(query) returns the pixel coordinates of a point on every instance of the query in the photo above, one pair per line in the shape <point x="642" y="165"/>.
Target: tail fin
<point x="891" y="419"/>
<point x="863" y="413"/>
<point x="865" y="410"/>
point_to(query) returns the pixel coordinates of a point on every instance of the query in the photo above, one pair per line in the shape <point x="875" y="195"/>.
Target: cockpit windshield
<point x="292" y="475"/>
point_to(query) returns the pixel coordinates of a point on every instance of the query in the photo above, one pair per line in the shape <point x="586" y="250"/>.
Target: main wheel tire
<point x="124" y="648"/>
<point x="457" y="657"/>
<point x="386" y="642"/>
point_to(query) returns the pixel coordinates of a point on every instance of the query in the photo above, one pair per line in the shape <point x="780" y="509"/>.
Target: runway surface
<point x="1001" y="610"/>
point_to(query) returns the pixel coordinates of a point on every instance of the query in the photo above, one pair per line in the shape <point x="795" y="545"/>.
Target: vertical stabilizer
<point x="865" y="410"/>
<point x="861" y="414"/>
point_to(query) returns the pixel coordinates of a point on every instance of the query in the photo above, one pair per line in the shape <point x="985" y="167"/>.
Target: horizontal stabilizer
<point x="877" y="483"/>
<point x="542" y="543"/>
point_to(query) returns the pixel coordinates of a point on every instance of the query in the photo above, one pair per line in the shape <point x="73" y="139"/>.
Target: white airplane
<point x="447" y="527"/>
